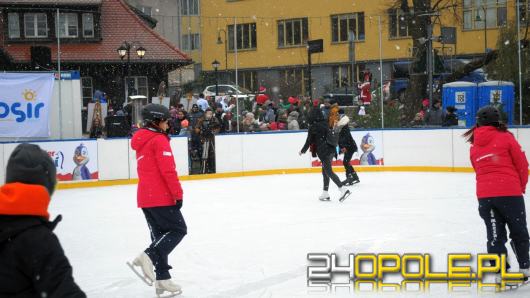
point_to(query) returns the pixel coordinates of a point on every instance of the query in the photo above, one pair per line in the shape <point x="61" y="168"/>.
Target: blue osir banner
<point x="25" y="102"/>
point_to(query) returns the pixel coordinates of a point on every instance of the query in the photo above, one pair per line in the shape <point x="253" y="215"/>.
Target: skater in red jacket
<point x="501" y="171"/>
<point x="160" y="197"/>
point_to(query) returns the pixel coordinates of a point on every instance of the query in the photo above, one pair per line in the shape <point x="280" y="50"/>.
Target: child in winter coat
<point x="32" y="261"/>
<point x="160" y="197"/>
<point x="501" y="171"/>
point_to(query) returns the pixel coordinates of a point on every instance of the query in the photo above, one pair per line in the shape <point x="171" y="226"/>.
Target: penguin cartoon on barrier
<point x="81" y="158"/>
<point x="368" y="146"/>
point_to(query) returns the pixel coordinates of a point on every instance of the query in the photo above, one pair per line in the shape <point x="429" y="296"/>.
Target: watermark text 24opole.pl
<point x="463" y="269"/>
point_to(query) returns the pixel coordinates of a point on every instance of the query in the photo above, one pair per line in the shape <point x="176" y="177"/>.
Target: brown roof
<point x="51" y="2"/>
<point x="118" y="24"/>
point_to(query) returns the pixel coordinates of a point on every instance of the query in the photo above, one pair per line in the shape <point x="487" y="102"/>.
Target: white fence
<point x="279" y="151"/>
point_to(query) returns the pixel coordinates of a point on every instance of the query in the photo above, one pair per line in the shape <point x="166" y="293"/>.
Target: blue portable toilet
<point x="463" y="96"/>
<point x="500" y="94"/>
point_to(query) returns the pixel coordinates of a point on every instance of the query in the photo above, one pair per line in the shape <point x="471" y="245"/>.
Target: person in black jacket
<point x="348" y="147"/>
<point x="450" y="119"/>
<point x="317" y="138"/>
<point x="32" y="261"/>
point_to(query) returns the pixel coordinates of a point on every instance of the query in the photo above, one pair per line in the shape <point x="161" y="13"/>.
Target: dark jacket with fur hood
<point x="32" y="261"/>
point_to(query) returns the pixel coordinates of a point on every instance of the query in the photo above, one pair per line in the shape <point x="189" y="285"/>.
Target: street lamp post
<point x="216" y="65"/>
<point x="479" y="19"/>
<point x="125" y="50"/>
<point x="219" y="41"/>
<point x="429" y="56"/>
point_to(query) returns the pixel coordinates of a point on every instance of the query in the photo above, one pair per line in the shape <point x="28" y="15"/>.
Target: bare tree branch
<point x="469" y="67"/>
<point x="435" y="6"/>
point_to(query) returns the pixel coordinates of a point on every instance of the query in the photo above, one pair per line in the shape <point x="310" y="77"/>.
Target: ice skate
<point x="147" y="274"/>
<point x="351" y="179"/>
<point x="324" y="196"/>
<point x="344" y="193"/>
<point x="512" y="285"/>
<point x="169" y="286"/>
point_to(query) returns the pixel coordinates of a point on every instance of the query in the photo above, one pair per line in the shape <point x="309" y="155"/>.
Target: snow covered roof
<point x="497" y="83"/>
<point x="460" y="84"/>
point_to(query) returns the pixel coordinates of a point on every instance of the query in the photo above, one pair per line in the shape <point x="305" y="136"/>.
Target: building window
<point x="246" y="36"/>
<point x="137" y="86"/>
<point x="342" y="25"/>
<point x="342" y="75"/>
<point x="191" y="42"/>
<point x="87" y="90"/>
<point x="68" y="25"/>
<point x="88" y="25"/>
<point x="14" y="25"/>
<point x="292" y="32"/>
<point x="248" y="80"/>
<point x="35" y="25"/>
<point x="189" y="7"/>
<point x="478" y="12"/>
<point x="294" y="82"/>
<point x="398" y="24"/>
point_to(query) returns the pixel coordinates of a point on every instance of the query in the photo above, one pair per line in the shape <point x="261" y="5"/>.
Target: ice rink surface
<point x="249" y="237"/>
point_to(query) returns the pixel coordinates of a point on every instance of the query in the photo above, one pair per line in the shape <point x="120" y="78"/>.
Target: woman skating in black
<point x="319" y="136"/>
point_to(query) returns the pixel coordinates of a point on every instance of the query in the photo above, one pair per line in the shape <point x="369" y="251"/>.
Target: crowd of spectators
<point x="264" y="114"/>
<point x="435" y="115"/>
<point x="267" y="115"/>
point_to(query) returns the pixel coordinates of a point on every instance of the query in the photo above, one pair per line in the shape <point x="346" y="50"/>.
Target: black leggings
<point x="346" y="162"/>
<point x="497" y="213"/>
<point x="327" y="171"/>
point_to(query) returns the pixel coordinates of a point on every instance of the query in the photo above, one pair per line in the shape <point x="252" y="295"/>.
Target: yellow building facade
<point x="272" y="35"/>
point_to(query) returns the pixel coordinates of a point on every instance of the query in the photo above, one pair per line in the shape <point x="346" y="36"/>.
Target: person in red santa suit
<point x="261" y="98"/>
<point x="365" y="88"/>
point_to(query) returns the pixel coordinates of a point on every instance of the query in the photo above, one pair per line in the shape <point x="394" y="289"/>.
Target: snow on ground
<point x="249" y="237"/>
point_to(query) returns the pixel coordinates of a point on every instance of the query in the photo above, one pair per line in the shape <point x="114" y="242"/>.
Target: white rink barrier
<point x="423" y="149"/>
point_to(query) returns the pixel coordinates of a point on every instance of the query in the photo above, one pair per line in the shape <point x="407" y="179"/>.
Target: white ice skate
<point x="344" y="193"/>
<point x="169" y="286"/>
<point x="146" y="265"/>
<point x="324" y="196"/>
<point x="513" y="285"/>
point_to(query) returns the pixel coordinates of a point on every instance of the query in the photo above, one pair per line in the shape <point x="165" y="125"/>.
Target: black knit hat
<point x="31" y="165"/>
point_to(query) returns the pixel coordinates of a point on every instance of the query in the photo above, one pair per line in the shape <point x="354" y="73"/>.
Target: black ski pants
<point x="167" y="228"/>
<point x="498" y="212"/>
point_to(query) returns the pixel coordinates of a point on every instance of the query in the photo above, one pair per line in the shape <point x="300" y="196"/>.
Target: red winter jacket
<point x="499" y="162"/>
<point x="159" y="183"/>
